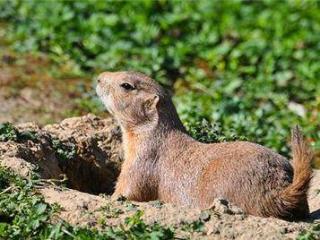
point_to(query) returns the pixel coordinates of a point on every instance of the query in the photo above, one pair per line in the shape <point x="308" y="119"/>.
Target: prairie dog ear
<point x="150" y="105"/>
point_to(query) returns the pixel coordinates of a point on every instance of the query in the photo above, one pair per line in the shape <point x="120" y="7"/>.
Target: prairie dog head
<point x="132" y="98"/>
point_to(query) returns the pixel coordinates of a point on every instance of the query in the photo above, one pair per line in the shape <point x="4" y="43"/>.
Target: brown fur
<point x="163" y="162"/>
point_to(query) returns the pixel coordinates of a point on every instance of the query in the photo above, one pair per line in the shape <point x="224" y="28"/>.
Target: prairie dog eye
<point x="127" y="86"/>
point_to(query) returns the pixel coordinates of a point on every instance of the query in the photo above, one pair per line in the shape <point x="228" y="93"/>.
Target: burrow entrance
<point x="86" y="151"/>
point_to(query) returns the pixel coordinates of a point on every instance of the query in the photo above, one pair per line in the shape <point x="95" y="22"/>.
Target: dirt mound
<point x="86" y="151"/>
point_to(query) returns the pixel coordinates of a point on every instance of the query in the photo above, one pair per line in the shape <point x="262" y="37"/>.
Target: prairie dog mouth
<point x="99" y="90"/>
<point x="104" y="97"/>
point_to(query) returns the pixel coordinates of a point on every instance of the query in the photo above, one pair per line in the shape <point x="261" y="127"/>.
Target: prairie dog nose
<point x="101" y="77"/>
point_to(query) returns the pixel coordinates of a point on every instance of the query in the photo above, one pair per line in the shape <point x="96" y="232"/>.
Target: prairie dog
<point x="163" y="162"/>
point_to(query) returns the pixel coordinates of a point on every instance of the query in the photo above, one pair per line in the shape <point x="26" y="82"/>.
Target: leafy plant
<point x="196" y="226"/>
<point x="64" y="151"/>
<point x="8" y="132"/>
<point x="137" y="229"/>
<point x="23" y="214"/>
<point x="110" y="212"/>
<point x="312" y="234"/>
<point x="209" y="132"/>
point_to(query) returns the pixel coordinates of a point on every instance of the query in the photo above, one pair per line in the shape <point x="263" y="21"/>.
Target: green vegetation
<point x="196" y="226"/>
<point x="64" y="151"/>
<point x="25" y="215"/>
<point x="250" y="67"/>
<point x="10" y="133"/>
<point x="311" y="234"/>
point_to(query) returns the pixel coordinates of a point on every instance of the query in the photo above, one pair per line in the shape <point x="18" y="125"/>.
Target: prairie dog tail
<point x="302" y="157"/>
<point x="291" y="203"/>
